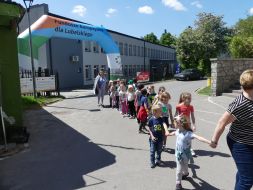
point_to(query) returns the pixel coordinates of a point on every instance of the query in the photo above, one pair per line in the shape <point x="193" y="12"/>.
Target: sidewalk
<point x="77" y="93"/>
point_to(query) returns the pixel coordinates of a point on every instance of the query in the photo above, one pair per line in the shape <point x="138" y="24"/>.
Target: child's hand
<point x="194" y="128"/>
<point x="153" y="138"/>
<point x="167" y="134"/>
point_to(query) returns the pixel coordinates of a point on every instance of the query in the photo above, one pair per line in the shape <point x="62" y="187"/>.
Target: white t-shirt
<point x="130" y="96"/>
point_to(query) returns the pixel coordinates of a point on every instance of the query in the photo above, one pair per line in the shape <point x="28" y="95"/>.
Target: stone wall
<point x="226" y="73"/>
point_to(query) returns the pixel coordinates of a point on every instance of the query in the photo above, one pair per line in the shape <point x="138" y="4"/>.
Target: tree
<point x="241" y="45"/>
<point x="151" y="38"/>
<point x="208" y="39"/>
<point x="167" y="39"/>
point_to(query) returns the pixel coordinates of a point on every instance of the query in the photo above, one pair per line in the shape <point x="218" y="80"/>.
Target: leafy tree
<point x="208" y="39"/>
<point x="167" y="39"/>
<point x="241" y="45"/>
<point x="151" y="38"/>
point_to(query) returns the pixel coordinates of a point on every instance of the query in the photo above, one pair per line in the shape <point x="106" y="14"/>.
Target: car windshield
<point x="186" y="71"/>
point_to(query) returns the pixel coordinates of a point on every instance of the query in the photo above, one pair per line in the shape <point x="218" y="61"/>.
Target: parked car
<point x="189" y="74"/>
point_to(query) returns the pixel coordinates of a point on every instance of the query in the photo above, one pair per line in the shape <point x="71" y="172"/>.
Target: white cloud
<point x="110" y="12"/>
<point x="197" y="4"/>
<point x="146" y="10"/>
<point x="79" y="10"/>
<point x="175" y="4"/>
<point x="251" y="11"/>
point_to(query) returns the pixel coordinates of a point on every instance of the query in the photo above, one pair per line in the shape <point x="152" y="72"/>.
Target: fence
<point x="41" y="74"/>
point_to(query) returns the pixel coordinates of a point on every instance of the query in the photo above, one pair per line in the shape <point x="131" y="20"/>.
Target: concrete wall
<point x="226" y="73"/>
<point x="70" y="73"/>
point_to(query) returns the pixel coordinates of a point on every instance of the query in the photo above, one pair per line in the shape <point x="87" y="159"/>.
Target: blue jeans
<point x="243" y="157"/>
<point x="155" y="148"/>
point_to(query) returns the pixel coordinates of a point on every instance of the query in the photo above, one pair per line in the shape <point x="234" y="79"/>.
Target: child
<point x="137" y="101"/>
<point x="183" y="144"/>
<point x="143" y="112"/>
<point x="166" y="111"/>
<point x="112" y="94"/>
<point x="117" y="89"/>
<point x="160" y="91"/>
<point x="155" y="128"/>
<point x="110" y="85"/>
<point x="185" y="108"/>
<point x="151" y="94"/>
<point x="123" y="99"/>
<point x="130" y="101"/>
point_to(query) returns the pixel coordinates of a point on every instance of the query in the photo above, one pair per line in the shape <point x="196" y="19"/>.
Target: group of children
<point x="154" y="116"/>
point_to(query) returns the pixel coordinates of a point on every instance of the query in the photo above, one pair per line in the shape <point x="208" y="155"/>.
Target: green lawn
<point x="205" y="91"/>
<point x="29" y="101"/>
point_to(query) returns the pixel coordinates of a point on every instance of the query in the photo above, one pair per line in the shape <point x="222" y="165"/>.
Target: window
<point x="138" y="68"/>
<point x="126" y="50"/>
<point x="87" y="46"/>
<point x="139" y="51"/>
<point x="134" y="50"/>
<point x="126" y="70"/>
<point x="95" y="47"/>
<point x="88" y="72"/>
<point x="142" y="68"/>
<point x="95" y="70"/>
<point x="134" y="70"/>
<point x="103" y="67"/>
<point x="121" y="48"/>
<point x="130" y="50"/>
<point x="102" y="50"/>
<point x="142" y="51"/>
<point x="130" y="71"/>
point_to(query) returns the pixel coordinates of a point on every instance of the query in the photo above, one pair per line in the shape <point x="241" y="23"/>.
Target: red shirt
<point x="184" y="109"/>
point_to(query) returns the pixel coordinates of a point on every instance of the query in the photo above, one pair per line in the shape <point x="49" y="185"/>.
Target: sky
<point x="140" y="17"/>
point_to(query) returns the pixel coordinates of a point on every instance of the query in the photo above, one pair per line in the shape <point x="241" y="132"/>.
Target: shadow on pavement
<point x="59" y="157"/>
<point x="168" y="164"/>
<point x="202" y="185"/>
<point x="211" y="153"/>
<point x="122" y="147"/>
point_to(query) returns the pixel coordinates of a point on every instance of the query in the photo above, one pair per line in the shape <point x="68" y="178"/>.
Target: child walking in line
<point x="185" y="108"/>
<point x="123" y="100"/>
<point x="156" y="126"/>
<point x="151" y="94"/>
<point x="110" y="86"/>
<point x="117" y="89"/>
<point x="130" y="101"/>
<point x="160" y="91"/>
<point x="182" y="151"/>
<point x="143" y="112"/>
<point x="112" y="94"/>
<point x="137" y="101"/>
<point x="166" y="112"/>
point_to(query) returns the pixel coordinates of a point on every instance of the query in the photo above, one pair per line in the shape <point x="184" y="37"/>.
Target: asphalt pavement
<point x="75" y="144"/>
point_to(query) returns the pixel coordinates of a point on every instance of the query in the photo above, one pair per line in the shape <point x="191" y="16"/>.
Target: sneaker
<point x="140" y="131"/>
<point x="193" y="152"/>
<point x="152" y="166"/>
<point x="179" y="186"/>
<point x="184" y="177"/>
<point x="158" y="163"/>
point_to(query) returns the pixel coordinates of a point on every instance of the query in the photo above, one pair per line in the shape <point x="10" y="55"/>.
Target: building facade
<point x="78" y="62"/>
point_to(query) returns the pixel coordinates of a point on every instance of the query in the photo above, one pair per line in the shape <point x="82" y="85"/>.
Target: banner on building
<point x="47" y="27"/>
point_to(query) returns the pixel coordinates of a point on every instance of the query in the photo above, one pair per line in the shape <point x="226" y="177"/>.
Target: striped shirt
<point x="241" y="130"/>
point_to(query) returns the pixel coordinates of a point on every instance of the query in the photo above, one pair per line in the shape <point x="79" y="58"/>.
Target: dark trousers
<point x="155" y="150"/>
<point x="243" y="157"/>
<point x="131" y="108"/>
<point x="117" y="102"/>
<point x="142" y="125"/>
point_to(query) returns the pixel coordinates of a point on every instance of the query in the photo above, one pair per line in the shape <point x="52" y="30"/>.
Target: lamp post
<point x="27" y="6"/>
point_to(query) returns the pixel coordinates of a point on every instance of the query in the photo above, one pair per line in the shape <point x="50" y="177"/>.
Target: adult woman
<point x="240" y="135"/>
<point x="100" y="87"/>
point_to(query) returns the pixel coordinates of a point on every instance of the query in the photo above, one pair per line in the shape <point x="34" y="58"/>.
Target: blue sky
<point x="139" y="17"/>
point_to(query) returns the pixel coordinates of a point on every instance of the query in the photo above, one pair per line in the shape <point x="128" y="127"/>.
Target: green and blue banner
<point x="47" y="27"/>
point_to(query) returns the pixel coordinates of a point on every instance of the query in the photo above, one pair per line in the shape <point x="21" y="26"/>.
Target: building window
<point x="102" y="50"/>
<point x="95" y="70"/>
<point x="134" y="70"/>
<point x="103" y="67"/>
<point x="142" y="68"/>
<point x="142" y="51"/>
<point x="126" y="49"/>
<point x="138" y="68"/>
<point x="126" y="70"/>
<point x="134" y="50"/>
<point x="87" y="46"/>
<point x="121" y="48"/>
<point x="130" y="50"/>
<point x="88" y="72"/>
<point x="95" y="47"/>
<point x="130" y="71"/>
<point x="139" y="51"/>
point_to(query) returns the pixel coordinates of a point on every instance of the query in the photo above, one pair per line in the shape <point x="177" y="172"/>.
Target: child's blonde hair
<point x="184" y="96"/>
<point x="155" y="108"/>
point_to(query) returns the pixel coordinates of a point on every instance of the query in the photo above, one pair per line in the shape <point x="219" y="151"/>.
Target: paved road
<point x="76" y="145"/>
